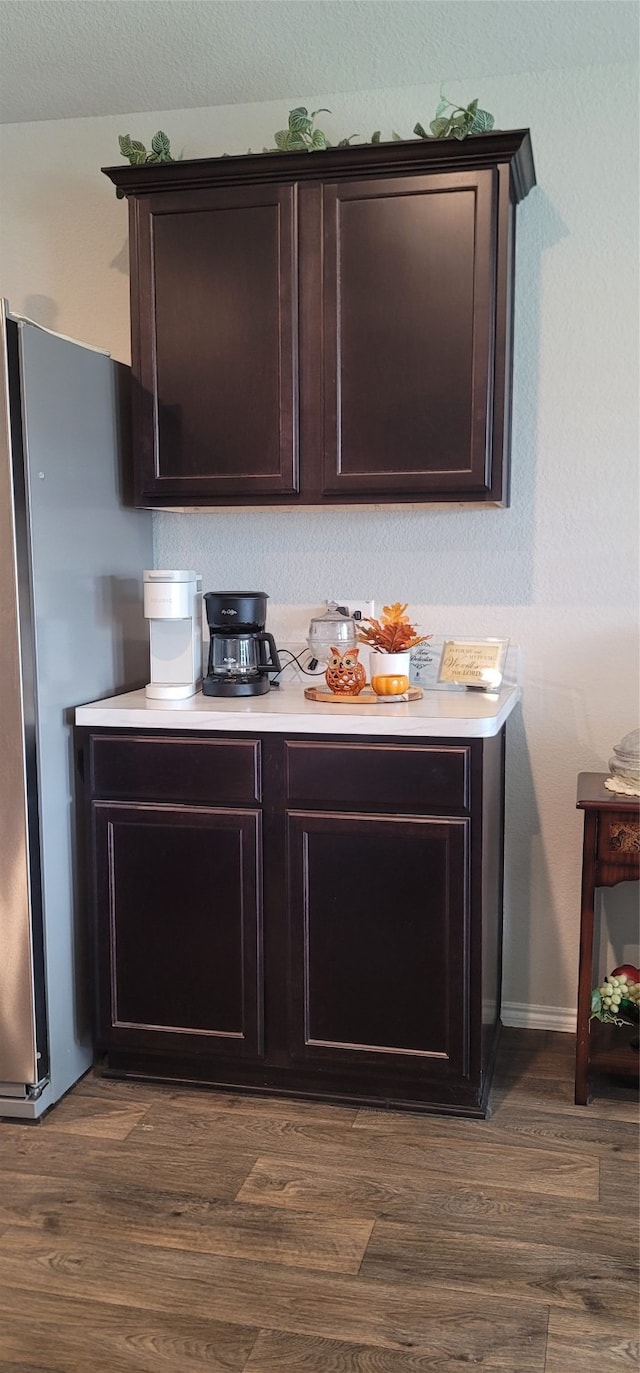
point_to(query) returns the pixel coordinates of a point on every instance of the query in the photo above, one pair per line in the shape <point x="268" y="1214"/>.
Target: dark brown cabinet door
<point x="407" y="354"/>
<point x="379" y="938"/>
<point x="363" y="294"/>
<point x="179" y="930"/>
<point x="214" y="320"/>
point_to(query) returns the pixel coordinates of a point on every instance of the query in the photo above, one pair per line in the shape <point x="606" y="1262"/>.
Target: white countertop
<point x="456" y="714"/>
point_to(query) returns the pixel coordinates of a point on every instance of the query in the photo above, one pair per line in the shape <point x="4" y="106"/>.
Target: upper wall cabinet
<point x="329" y="328"/>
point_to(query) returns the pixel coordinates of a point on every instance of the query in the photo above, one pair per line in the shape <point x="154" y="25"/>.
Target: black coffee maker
<point x="241" y="653"/>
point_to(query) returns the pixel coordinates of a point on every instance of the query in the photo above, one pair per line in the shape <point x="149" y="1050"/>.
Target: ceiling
<point x="61" y="59"/>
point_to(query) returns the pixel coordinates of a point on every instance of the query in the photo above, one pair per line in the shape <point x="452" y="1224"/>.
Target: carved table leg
<point x="585" y="973"/>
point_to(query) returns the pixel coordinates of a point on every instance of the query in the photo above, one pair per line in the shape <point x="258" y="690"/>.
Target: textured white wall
<point x="557" y="572"/>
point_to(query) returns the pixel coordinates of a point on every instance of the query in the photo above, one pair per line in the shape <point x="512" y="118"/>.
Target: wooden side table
<point x="611" y="854"/>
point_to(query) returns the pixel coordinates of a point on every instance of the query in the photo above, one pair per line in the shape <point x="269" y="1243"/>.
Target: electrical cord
<point x="310" y="671"/>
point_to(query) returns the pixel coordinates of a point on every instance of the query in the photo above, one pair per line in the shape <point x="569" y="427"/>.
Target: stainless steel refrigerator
<point x="71" y="631"/>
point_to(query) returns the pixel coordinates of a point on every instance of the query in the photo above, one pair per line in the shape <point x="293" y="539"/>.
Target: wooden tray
<point x="366" y="697"/>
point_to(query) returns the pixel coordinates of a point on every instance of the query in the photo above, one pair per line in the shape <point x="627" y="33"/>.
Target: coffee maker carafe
<point x="241" y="653"/>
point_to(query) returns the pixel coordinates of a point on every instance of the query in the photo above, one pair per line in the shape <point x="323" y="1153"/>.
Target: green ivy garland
<point x="450" y="121"/>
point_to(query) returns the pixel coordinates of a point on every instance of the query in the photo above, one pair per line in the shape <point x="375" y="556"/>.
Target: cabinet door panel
<point x="215" y="311"/>
<point x="408" y="334"/>
<point x="179" y="928"/>
<point x="378" y="925"/>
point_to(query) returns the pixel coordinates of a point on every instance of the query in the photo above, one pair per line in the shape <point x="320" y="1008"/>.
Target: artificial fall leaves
<point x="393" y="632"/>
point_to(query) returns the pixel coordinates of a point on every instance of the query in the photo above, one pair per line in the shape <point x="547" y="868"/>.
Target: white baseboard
<point x="521" y="1016"/>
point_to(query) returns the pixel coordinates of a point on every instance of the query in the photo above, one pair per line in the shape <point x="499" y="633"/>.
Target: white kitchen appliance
<point x="173" y="607"/>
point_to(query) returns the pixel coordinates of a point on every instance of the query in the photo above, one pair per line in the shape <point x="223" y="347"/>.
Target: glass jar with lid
<point x="337" y="628"/>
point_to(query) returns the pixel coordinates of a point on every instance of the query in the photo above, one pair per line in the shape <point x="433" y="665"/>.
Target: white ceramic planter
<point x="389" y="675"/>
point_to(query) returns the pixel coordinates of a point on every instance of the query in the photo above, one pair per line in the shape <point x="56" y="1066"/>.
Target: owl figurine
<point x="345" y="676"/>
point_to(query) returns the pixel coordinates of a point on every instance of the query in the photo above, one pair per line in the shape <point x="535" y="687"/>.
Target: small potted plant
<point x="390" y="640"/>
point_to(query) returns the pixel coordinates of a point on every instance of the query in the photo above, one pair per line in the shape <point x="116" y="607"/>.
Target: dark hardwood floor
<point x="146" y="1229"/>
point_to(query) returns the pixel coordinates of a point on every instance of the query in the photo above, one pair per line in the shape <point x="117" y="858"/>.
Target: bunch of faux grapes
<point x="616" y="990"/>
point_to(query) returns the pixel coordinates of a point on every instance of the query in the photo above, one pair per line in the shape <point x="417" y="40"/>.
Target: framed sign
<point x="425" y="661"/>
<point x="474" y="663"/>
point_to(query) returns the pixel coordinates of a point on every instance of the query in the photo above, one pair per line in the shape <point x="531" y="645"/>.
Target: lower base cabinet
<point x="317" y="917"/>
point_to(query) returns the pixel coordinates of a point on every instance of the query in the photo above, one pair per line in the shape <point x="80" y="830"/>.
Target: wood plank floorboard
<point x="25" y="1367"/>
<point x="613" y="1101"/>
<point x="214" y="1173"/>
<point x="199" y="1099"/>
<point x="100" y="1338"/>
<point x="619" y="1186"/>
<point x="147" y="1228"/>
<point x="275" y="1352"/>
<point x="79" y="1210"/>
<point x="479" y="1159"/>
<point x="418" y="1198"/>
<point x="528" y="1129"/>
<point x="601" y="1347"/>
<point x="519" y="1270"/>
<point x="83" y="1116"/>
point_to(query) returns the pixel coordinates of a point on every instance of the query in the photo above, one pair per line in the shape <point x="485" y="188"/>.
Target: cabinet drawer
<point x="365" y="776"/>
<point x="206" y="771"/>
<point x="619" y="838"/>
